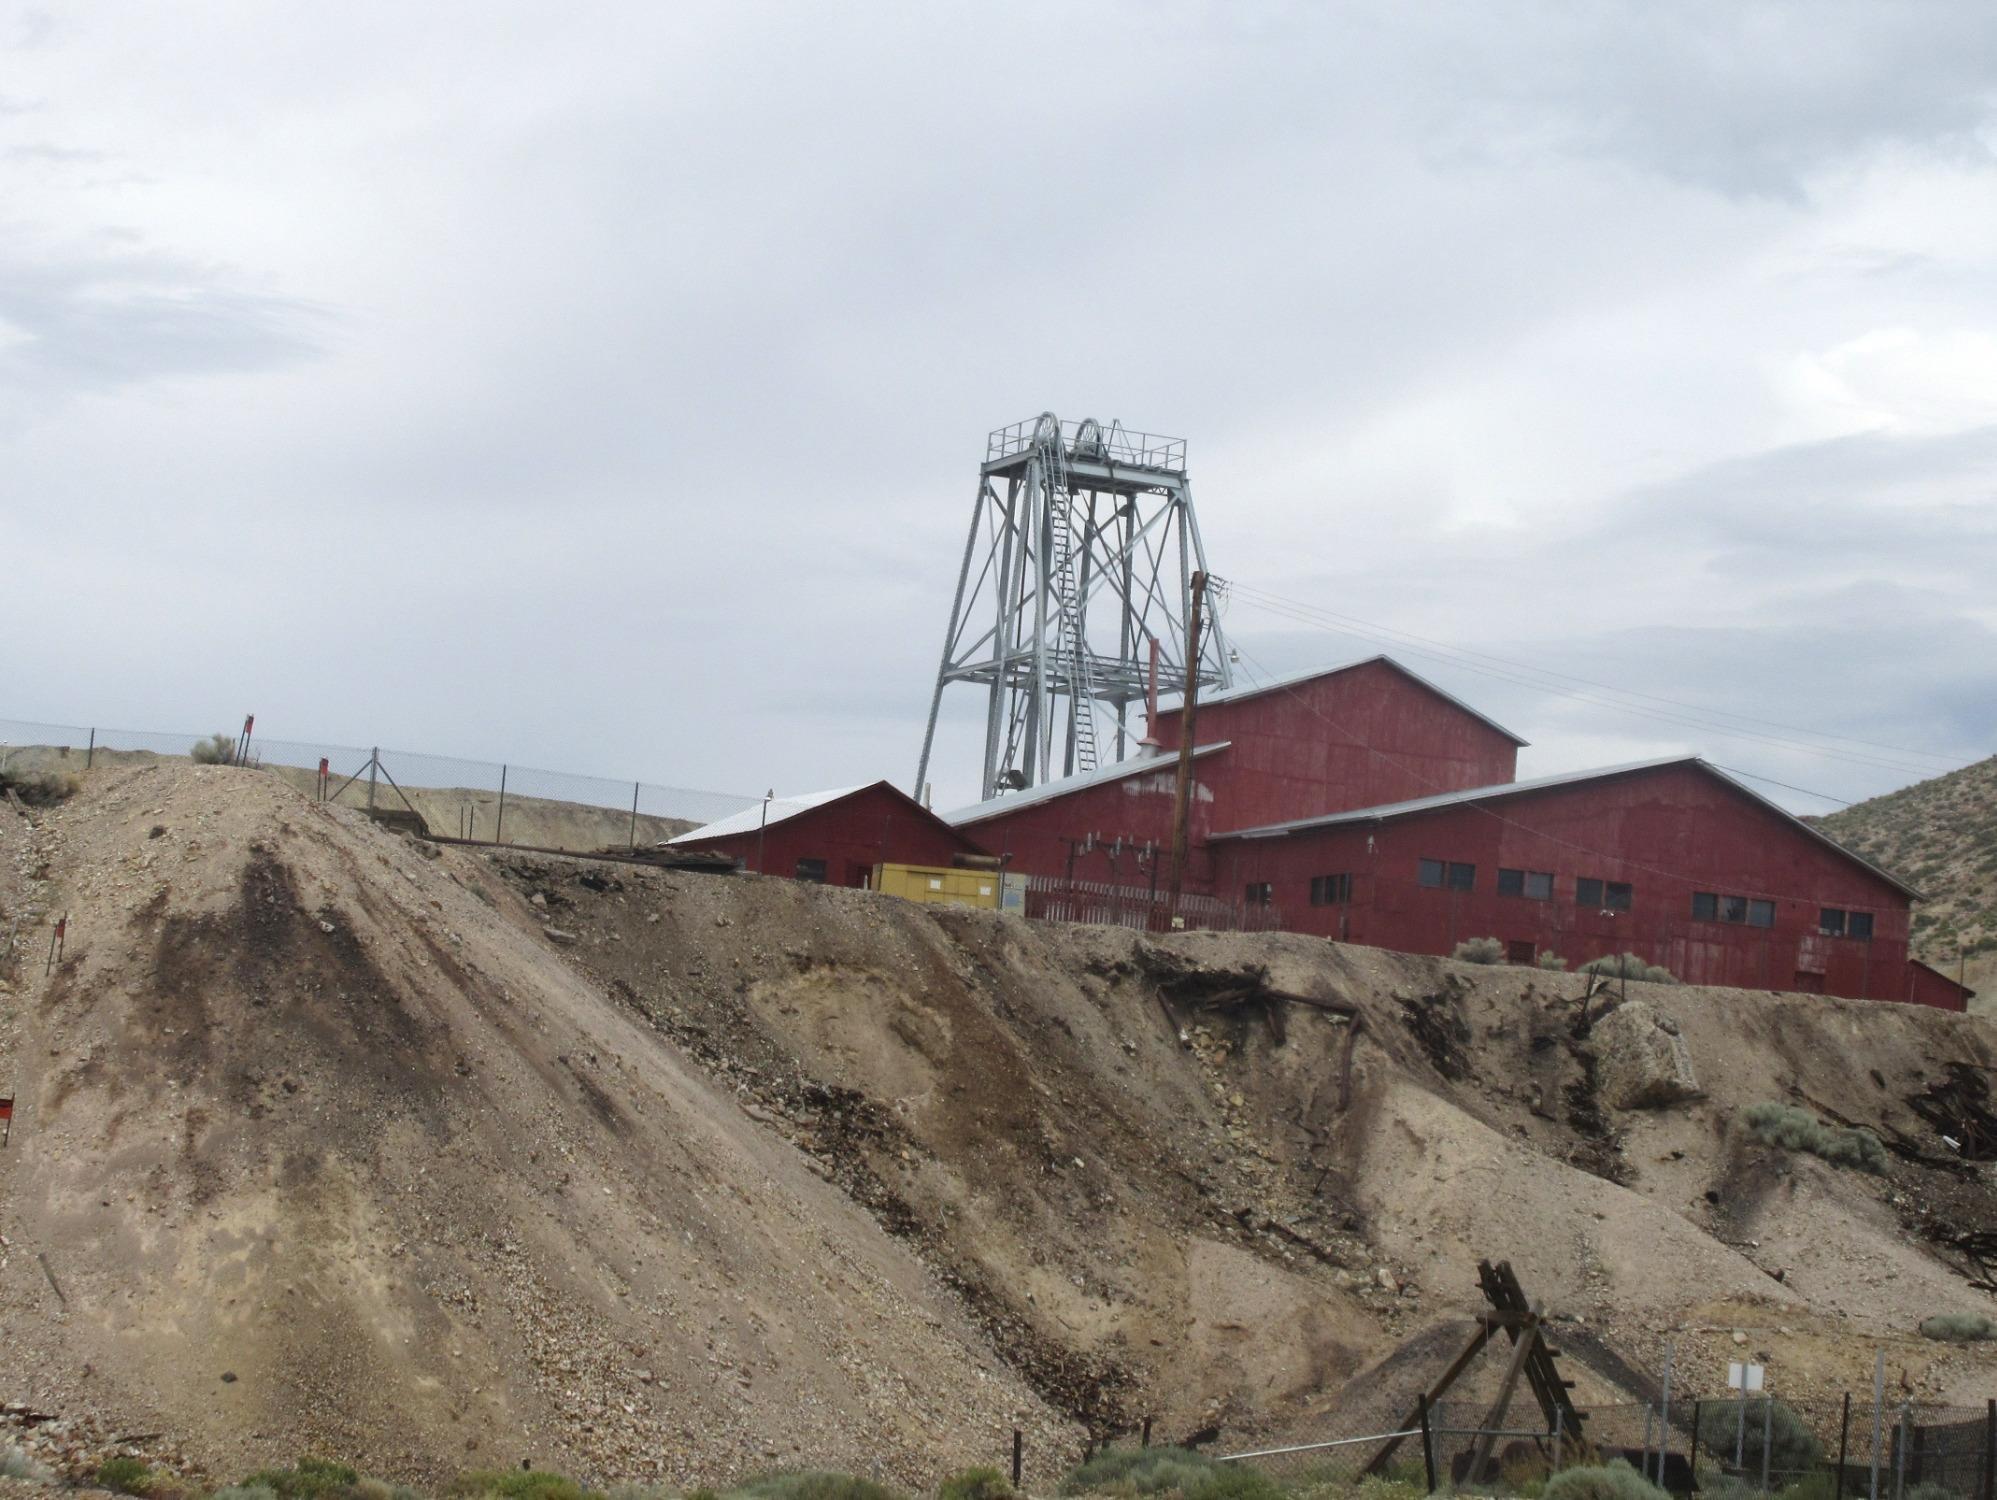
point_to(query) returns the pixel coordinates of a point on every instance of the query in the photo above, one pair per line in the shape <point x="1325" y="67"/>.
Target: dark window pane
<point x="1859" y="925"/>
<point x="1587" y="891"/>
<point x="1733" y="908"/>
<point x="1539" y="884"/>
<point x="1259" y="893"/>
<point x="1519" y="951"/>
<point x="811" y="869"/>
<point x="1511" y="882"/>
<point x="1761" y="913"/>
<point x="1431" y="872"/>
<point x="1831" y="922"/>
<point x="1705" y="906"/>
<point x="1462" y="877"/>
<point x="1619" y="896"/>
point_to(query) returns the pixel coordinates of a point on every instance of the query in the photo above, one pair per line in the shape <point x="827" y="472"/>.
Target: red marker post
<point x="55" y="946"/>
<point x="6" y="1122"/>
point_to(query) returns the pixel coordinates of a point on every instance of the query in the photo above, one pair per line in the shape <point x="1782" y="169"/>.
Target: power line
<point x="1258" y="594"/>
<point x="1752" y="776"/>
<point x="1451" y="656"/>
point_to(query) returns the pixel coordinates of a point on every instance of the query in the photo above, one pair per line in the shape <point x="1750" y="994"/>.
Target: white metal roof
<point x="1387" y="810"/>
<point x="977" y="812"/>
<point x="751" y="818"/>
<point x="1295" y="679"/>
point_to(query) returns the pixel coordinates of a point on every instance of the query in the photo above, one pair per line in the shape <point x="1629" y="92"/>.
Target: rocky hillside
<point x="1942" y="836"/>
<point x="331" y="1141"/>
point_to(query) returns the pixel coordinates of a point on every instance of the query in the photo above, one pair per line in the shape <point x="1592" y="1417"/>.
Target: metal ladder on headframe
<point x="1073" y="650"/>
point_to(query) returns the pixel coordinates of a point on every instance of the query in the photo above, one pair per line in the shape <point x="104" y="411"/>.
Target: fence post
<point x="90" y="755"/>
<point x="1649" y="1417"/>
<point x="1017" y="1455"/>
<point x="1559" y="1425"/>
<point x="1844" y="1446"/>
<point x="1900" y="1454"/>
<point x="499" y="828"/>
<point x="1145" y="1441"/>
<point x="1767" y="1437"/>
<point x="634" y="816"/>
<point x="1878" y="1416"/>
<point x="1990" y="1451"/>
<point x="1427" y="1444"/>
<point x="1692" y="1463"/>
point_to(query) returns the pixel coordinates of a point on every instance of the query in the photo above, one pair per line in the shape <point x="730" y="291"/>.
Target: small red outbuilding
<point x="835" y="837"/>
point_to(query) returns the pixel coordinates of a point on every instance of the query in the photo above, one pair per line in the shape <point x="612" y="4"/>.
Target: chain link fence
<point x="1840" y="1449"/>
<point x="455" y="797"/>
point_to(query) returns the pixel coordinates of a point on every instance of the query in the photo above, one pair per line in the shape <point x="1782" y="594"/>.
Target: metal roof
<point x="1389" y="810"/>
<point x="751" y="818"/>
<point x="977" y="812"/>
<point x="1283" y="684"/>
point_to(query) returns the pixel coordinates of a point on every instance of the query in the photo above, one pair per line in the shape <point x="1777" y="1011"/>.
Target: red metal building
<point x="836" y="837"/>
<point x="1351" y="736"/>
<point x="1672" y="860"/>
<point x="1366" y="804"/>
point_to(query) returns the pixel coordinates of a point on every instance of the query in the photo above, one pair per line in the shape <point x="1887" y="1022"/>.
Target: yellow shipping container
<point x="928" y="883"/>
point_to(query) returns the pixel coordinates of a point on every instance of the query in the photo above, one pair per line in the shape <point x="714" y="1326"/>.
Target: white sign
<point x="1742" y="1377"/>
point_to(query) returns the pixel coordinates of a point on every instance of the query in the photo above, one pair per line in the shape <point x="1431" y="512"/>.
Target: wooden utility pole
<point x="1182" y="790"/>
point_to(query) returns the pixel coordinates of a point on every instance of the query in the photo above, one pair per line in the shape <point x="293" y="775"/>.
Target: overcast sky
<point x="603" y="386"/>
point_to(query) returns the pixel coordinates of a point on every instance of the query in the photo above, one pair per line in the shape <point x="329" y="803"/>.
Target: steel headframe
<point x="1081" y="552"/>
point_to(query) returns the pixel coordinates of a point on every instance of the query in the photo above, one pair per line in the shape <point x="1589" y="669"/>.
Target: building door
<point x="1809" y="983"/>
<point x="1520" y="952"/>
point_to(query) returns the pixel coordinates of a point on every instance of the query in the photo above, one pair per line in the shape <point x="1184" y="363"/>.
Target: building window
<point x="1709" y="907"/>
<point x="1260" y="893"/>
<point x="1435" y="873"/>
<point x="1331" y="890"/>
<point x="1534" y="885"/>
<point x="812" y="870"/>
<point x="1830" y="922"/>
<point x="1605" y="895"/>
<point x="1836" y="922"/>
<point x="1859" y="925"/>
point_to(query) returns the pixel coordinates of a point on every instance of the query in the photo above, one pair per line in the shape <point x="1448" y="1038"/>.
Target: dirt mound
<point x="323" y="1154"/>
<point x="333" y="1141"/>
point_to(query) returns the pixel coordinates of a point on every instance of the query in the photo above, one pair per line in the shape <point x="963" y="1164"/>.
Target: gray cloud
<point x="612" y="391"/>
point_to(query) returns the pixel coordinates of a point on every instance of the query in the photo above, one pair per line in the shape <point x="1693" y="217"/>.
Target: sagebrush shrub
<point x="124" y="1476"/>
<point x="1628" y="966"/>
<point x="1150" y="1471"/>
<point x="1792" y="1447"/>
<point x="1793" y="1129"/>
<point x="975" y="1484"/>
<point x="1551" y="961"/>
<point x="812" y="1484"/>
<point x="216" y="750"/>
<point x="1958" y="1328"/>
<point x="1484" y="950"/>
<point x="16" y="1464"/>
<point x="1611" y="1481"/>
<point x="518" y="1484"/>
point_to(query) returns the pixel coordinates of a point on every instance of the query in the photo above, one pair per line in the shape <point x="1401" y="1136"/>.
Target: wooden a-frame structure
<point x="1532" y="1357"/>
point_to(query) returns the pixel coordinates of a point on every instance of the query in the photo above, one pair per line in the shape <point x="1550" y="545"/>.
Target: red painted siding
<point x="1134" y="809"/>
<point x="1667" y="832"/>
<point x="1359" y="737"/>
<point x="875" y="825"/>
